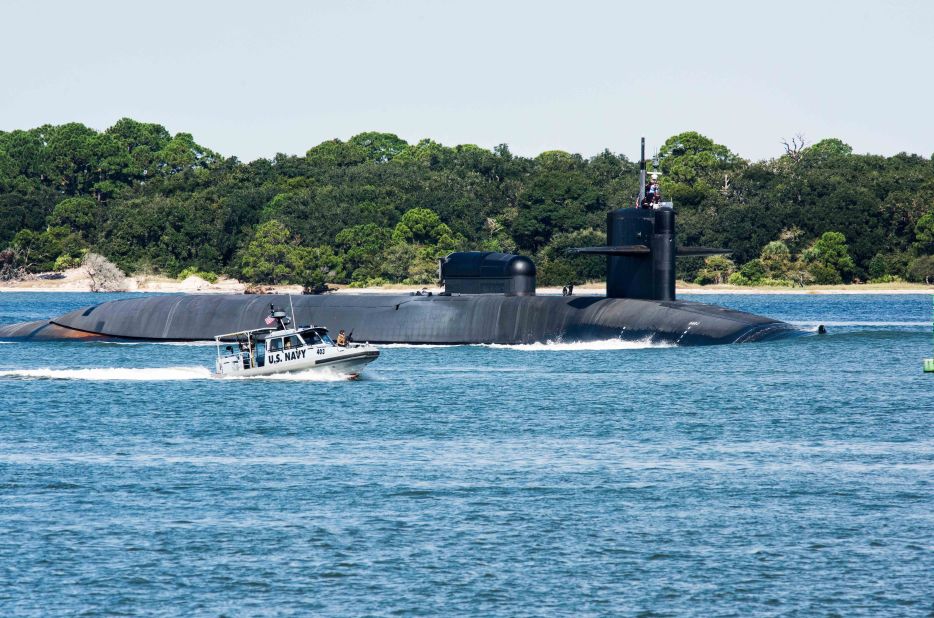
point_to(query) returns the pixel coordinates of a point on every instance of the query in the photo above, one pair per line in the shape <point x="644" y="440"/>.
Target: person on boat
<point x="341" y="338"/>
<point x="653" y="194"/>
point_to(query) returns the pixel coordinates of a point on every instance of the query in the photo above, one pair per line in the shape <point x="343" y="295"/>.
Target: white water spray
<point x="158" y="374"/>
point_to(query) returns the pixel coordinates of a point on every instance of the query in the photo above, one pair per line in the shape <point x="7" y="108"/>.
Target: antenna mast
<point x="642" y="175"/>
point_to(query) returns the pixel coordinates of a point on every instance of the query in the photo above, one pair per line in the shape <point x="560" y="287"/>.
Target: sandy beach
<point x="75" y="280"/>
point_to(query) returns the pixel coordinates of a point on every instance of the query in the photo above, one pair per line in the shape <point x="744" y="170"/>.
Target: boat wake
<point x="420" y="346"/>
<point x="160" y="374"/>
<point x="574" y="346"/>
<point x="814" y="325"/>
<point x="547" y="346"/>
<point x="117" y="374"/>
<point x="314" y="375"/>
<point x="187" y="344"/>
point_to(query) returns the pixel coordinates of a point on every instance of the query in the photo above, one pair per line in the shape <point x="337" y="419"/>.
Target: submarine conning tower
<point x="643" y="265"/>
<point x="640" y="247"/>
<point x="641" y="253"/>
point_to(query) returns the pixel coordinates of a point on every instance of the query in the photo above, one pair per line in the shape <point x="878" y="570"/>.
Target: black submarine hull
<point x="413" y="319"/>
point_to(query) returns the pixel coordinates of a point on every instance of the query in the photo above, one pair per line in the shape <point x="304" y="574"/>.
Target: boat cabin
<point x="269" y="346"/>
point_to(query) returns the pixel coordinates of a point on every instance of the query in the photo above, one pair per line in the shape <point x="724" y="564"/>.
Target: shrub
<point x="704" y="277"/>
<point x="886" y="279"/>
<point x="66" y="261"/>
<point x="739" y="279"/>
<point x="828" y="259"/>
<point x="888" y="265"/>
<point x="554" y="272"/>
<point x="776" y="259"/>
<point x="775" y="283"/>
<point x="373" y="282"/>
<point x="272" y="256"/>
<point x="104" y="275"/>
<point x="191" y="270"/>
<point x="11" y="265"/>
<point x="753" y="271"/>
<point x="824" y="274"/>
<point x="922" y="269"/>
<point x="717" y="269"/>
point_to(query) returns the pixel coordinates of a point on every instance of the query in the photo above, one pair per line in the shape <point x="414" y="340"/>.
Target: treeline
<point x="376" y="209"/>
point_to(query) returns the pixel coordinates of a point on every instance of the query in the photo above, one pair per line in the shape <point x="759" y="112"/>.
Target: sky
<point x="252" y="79"/>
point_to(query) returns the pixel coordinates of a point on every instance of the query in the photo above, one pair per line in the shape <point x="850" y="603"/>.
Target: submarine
<point x="487" y="298"/>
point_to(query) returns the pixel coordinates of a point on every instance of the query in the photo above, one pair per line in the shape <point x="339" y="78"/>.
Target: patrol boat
<point x="280" y="349"/>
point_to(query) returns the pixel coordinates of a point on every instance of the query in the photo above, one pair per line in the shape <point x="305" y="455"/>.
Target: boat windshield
<point x="313" y="338"/>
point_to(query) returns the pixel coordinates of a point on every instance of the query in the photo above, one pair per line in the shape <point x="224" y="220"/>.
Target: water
<point x="784" y="478"/>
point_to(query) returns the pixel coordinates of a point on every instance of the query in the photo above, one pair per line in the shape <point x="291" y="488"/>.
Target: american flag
<point x="270" y="320"/>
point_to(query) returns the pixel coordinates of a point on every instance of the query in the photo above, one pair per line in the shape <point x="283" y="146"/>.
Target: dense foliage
<point x="377" y="209"/>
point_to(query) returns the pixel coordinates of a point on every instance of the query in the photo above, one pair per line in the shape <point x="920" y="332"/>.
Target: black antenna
<point x="279" y="316"/>
<point x="642" y="175"/>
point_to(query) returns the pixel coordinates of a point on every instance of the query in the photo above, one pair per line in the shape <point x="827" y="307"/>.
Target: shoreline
<point x="75" y="282"/>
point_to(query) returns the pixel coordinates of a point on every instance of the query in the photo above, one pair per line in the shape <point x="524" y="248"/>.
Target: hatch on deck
<point x="485" y="272"/>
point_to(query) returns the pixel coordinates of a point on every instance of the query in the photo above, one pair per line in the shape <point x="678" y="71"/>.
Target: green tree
<point x="828" y="259"/>
<point x="426" y="153"/>
<point x="693" y="167"/>
<point x="272" y="256"/>
<point x="165" y="233"/>
<point x="182" y="153"/>
<point x="379" y="147"/>
<point x="318" y="266"/>
<point x="921" y="269"/>
<point x="924" y="234"/>
<point x="360" y="249"/>
<point x="825" y="151"/>
<point x="336" y="154"/>
<point x="40" y="251"/>
<point x="559" y="197"/>
<point x="717" y="269"/>
<point x="776" y="259"/>
<point x="79" y="214"/>
<point x="420" y="226"/>
<point x="753" y="272"/>
<point x="23" y="212"/>
<point x="556" y="266"/>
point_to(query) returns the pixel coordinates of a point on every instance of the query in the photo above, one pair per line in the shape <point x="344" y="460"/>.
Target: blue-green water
<point x="785" y="478"/>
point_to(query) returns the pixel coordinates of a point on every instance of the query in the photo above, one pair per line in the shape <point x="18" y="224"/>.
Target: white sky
<point x="255" y="78"/>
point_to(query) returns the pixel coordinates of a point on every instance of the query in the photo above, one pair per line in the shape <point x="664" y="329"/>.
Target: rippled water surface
<point x="784" y="478"/>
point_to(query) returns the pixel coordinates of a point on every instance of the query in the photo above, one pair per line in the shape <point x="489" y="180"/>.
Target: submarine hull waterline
<point x="438" y="319"/>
